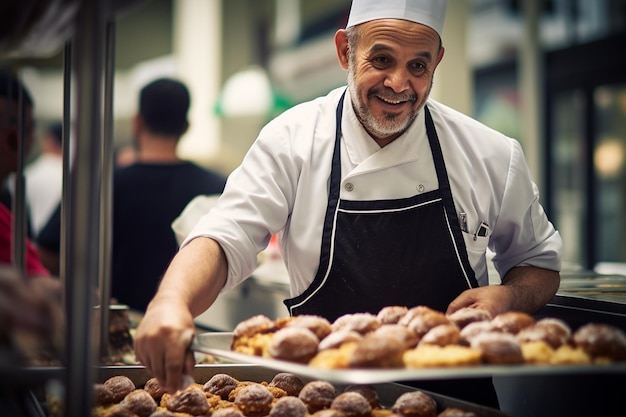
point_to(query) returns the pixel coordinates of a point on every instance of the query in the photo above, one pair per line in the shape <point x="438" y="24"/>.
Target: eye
<point x="417" y="67"/>
<point x="381" y="61"/>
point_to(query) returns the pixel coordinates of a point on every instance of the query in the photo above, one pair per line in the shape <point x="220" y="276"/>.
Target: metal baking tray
<point x="218" y="344"/>
<point x="388" y="392"/>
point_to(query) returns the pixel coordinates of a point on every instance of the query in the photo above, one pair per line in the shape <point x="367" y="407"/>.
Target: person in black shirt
<point x="147" y="196"/>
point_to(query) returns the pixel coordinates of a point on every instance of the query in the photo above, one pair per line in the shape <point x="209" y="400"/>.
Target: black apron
<point x="407" y="251"/>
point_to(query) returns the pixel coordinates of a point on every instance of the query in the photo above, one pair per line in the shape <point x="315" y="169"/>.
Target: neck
<point x="157" y="149"/>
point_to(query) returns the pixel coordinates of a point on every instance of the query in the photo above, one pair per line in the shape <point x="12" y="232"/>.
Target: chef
<point x="380" y="196"/>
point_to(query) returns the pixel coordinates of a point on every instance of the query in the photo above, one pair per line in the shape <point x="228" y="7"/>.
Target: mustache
<point x="388" y="94"/>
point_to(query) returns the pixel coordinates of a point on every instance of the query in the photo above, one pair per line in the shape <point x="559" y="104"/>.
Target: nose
<point x="397" y="79"/>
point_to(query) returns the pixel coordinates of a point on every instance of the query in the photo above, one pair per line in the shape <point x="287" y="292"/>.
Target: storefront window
<point x="609" y="165"/>
<point x="568" y="176"/>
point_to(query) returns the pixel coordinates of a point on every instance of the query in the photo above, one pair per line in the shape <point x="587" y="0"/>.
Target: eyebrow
<point x="379" y="47"/>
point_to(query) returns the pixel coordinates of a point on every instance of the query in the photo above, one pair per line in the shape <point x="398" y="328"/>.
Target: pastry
<point x="291" y="383"/>
<point x="391" y="314"/>
<point x="140" y="403"/>
<point x="317" y="395"/>
<point x="120" y="386"/>
<point x="498" y="348"/>
<point x="220" y="384"/>
<point x="511" y="321"/>
<point x="254" y="400"/>
<point x="415" y="404"/>
<point x="375" y="351"/>
<point x="601" y="341"/>
<point x="466" y="315"/>
<point x="294" y="344"/>
<point x="191" y="401"/>
<point x="362" y="323"/>
<point x="288" y="407"/>
<point x="352" y="404"/>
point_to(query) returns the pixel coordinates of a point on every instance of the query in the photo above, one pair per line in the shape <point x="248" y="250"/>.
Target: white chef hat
<point x="431" y="13"/>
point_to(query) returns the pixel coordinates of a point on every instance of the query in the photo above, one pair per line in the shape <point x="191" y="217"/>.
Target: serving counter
<point x="583" y="297"/>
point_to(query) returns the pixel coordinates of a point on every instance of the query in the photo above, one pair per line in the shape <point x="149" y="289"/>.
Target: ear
<point x="137" y="126"/>
<point x="442" y="50"/>
<point x="341" y="45"/>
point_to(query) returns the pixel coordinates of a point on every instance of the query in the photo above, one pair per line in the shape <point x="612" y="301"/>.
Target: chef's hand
<point x="524" y="288"/>
<point x="162" y="341"/>
<point x="493" y="298"/>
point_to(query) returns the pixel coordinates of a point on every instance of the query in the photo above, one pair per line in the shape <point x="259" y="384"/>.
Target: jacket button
<point x="349" y="186"/>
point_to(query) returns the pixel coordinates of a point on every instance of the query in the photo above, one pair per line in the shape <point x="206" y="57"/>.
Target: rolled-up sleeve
<point x="523" y="235"/>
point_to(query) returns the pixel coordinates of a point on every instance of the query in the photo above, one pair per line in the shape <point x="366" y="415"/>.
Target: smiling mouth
<point x="395" y="102"/>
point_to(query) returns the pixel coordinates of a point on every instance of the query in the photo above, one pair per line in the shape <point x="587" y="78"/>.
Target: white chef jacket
<point x="282" y="186"/>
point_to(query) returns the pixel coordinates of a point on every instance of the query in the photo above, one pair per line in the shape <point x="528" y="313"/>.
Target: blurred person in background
<point x="10" y="90"/>
<point x="44" y="177"/>
<point x="148" y="195"/>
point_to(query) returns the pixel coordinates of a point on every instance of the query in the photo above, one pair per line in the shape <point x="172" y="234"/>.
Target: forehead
<point x="397" y="33"/>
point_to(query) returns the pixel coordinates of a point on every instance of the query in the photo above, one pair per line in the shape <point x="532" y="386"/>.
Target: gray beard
<point x="376" y="127"/>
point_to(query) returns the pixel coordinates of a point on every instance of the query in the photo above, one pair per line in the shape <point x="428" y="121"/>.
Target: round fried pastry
<point x="415" y="404"/>
<point x="220" y="384"/>
<point x="120" y="386"/>
<point x="102" y="395"/>
<point x="153" y="388"/>
<point x="253" y="325"/>
<point x="498" y="348"/>
<point x="292" y="384"/>
<point x="551" y="332"/>
<point x="294" y="344"/>
<point x="352" y="404"/>
<point x="442" y="335"/>
<point x="414" y="312"/>
<point x="191" y="401"/>
<point x="254" y="400"/>
<point x="422" y="323"/>
<point x="338" y="338"/>
<point x="406" y="336"/>
<point x="601" y="341"/>
<point x="140" y="403"/>
<point x="317" y="395"/>
<point x="466" y="315"/>
<point x="512" y="321"/>
<point x="375" y="351"/>
<point x="288" y="407"/>
<point x="320" y="326"/>
<point x="391" y="314"/>
<point x="362" y="323"/>
<point x="474" y="329"/>
<point x="367" y="391"/>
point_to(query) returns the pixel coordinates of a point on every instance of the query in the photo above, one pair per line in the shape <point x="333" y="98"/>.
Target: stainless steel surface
<point x="82" y="267"/>
<point x="387" y="392"/>
<point x="218" y="344"/>
<point x="602" y="287"/>
<point x="106" y="193"/>
<point x="19" y="197"/>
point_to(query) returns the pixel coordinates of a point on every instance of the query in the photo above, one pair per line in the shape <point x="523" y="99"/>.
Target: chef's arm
<point x="195" y="276"/>
<point x="190" y="285"/>
<point x="523" y="288"/>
